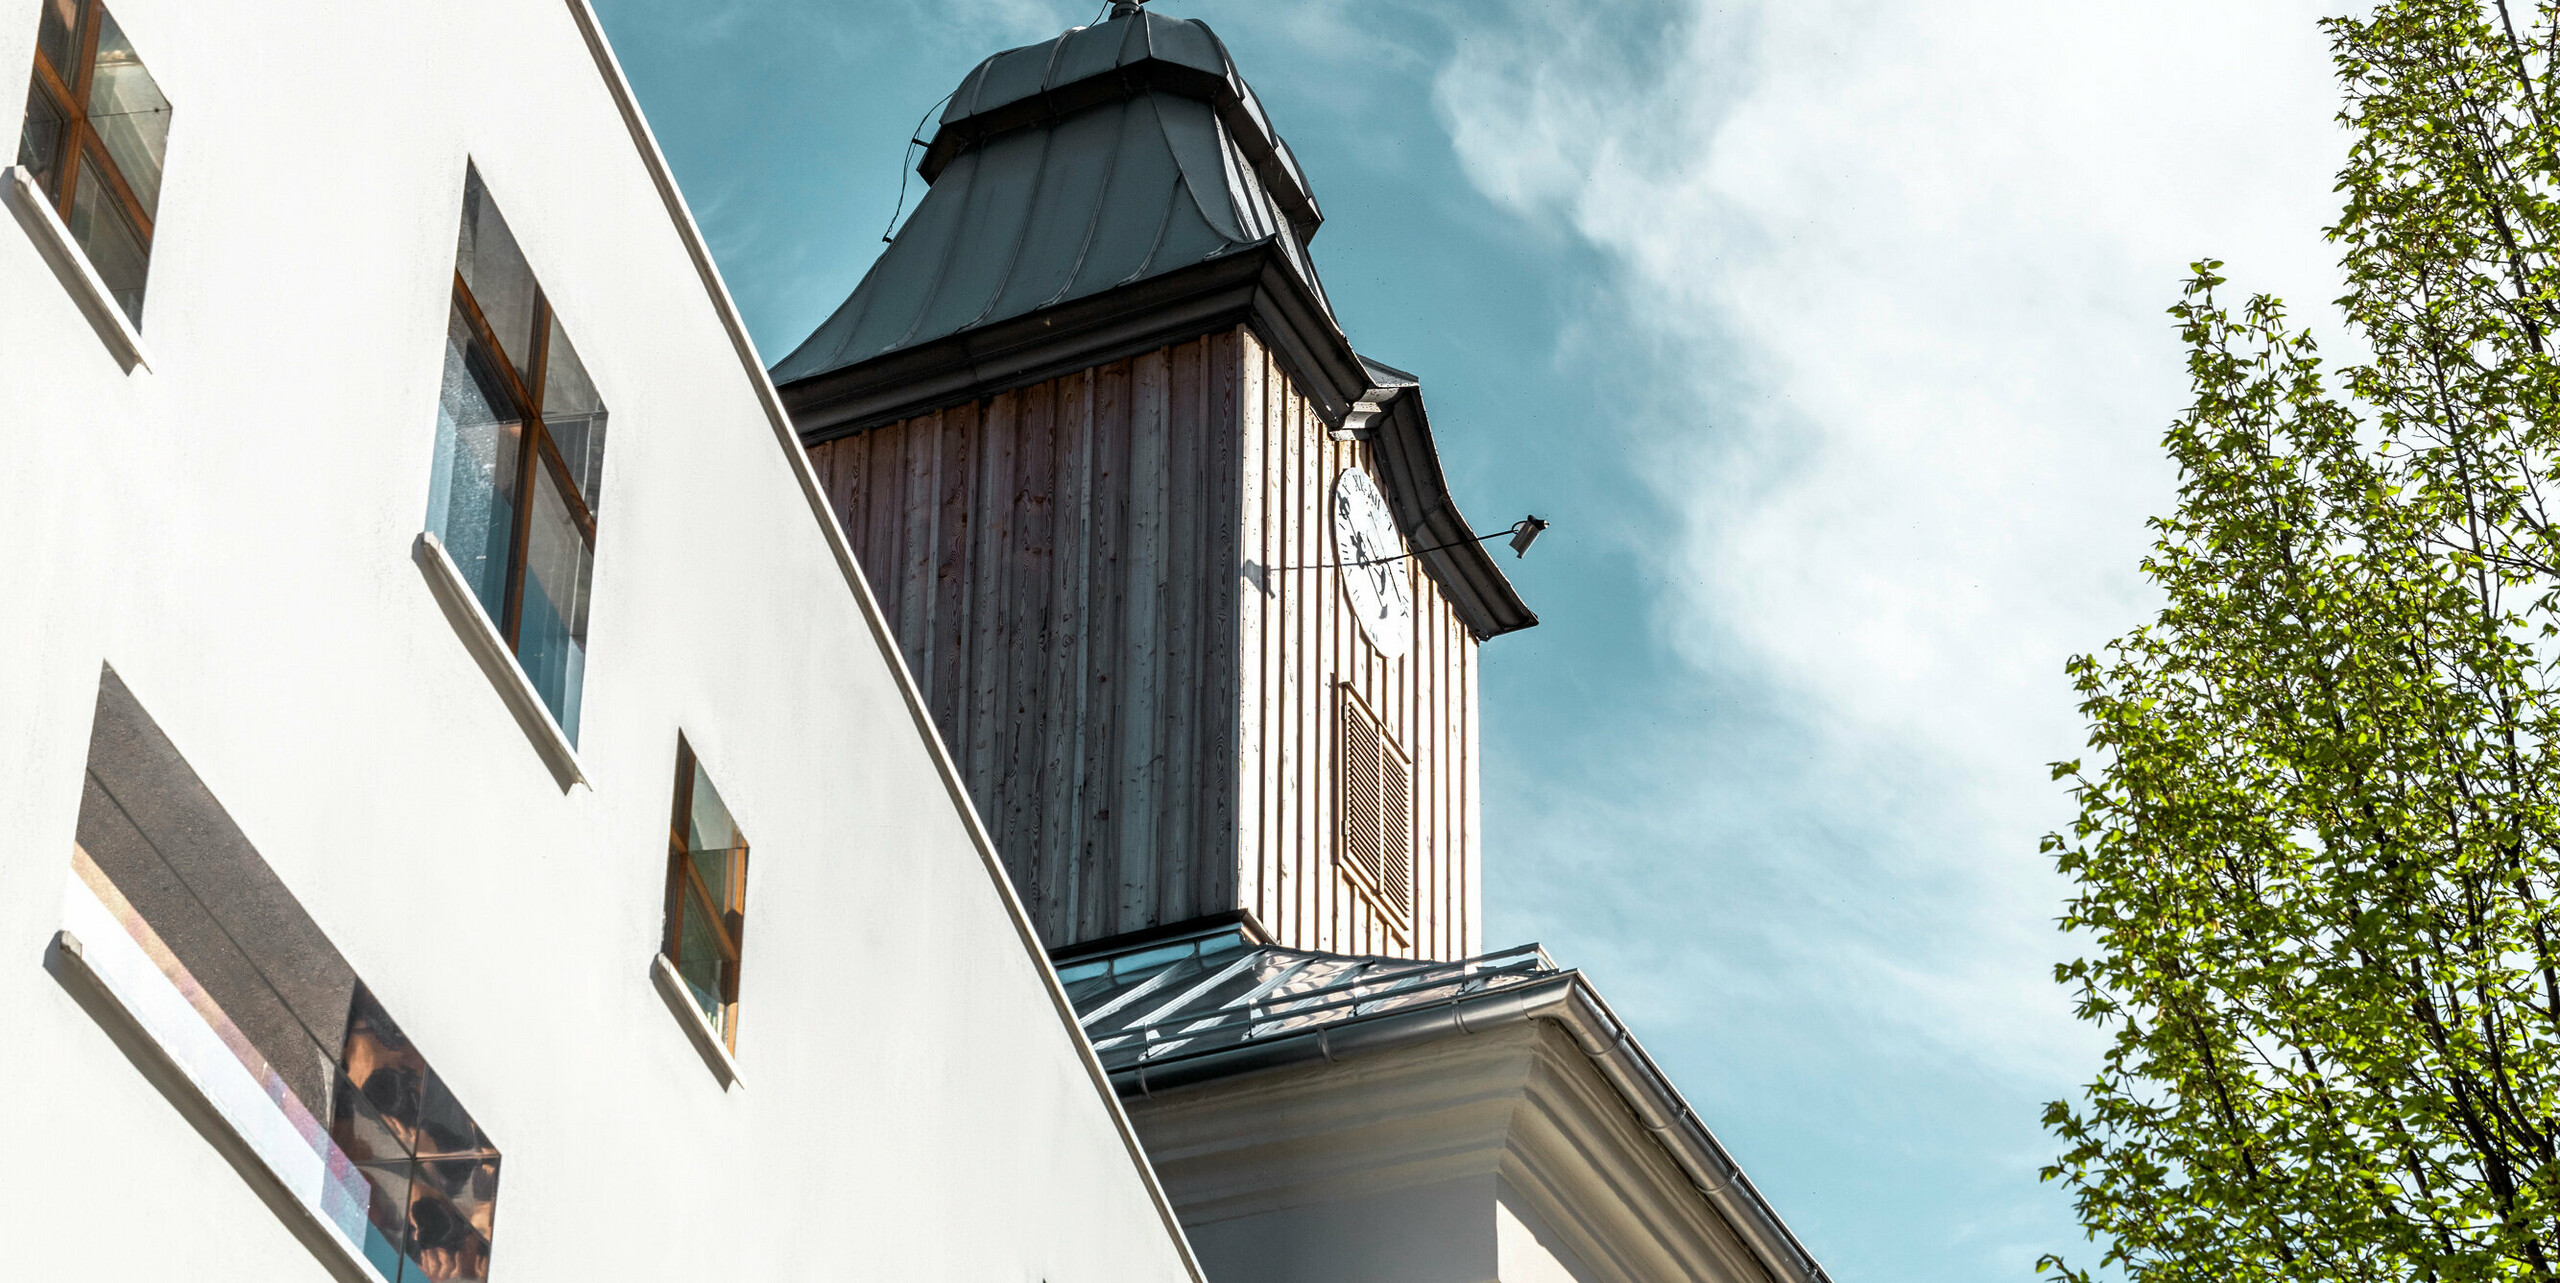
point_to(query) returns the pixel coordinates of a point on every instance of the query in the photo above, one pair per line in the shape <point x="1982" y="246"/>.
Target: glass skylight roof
<point x="1220" y="990"/>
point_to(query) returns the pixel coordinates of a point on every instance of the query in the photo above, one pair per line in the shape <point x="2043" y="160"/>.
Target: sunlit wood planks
<point x="1109" y="587"/>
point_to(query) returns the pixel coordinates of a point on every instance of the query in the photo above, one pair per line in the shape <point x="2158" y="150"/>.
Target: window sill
<point x="71" y="265"/>
<point x="706" y="1039"/>
<point x="69" y="962"/>
<point x="480" y="634"/>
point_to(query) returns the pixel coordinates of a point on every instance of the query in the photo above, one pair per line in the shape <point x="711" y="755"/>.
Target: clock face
<point x="1364" y="536"/>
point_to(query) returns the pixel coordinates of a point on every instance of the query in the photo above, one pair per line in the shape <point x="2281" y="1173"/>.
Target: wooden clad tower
<point x="1129" y="498"/>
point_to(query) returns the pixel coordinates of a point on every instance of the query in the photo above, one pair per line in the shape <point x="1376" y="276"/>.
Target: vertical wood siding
<point x="1299" y="642"/>
<point x="1089" y="577"/>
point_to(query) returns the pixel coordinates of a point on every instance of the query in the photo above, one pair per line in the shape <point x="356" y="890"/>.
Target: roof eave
<point x="1419" y="491"/>
<point x="1254" y="285"/>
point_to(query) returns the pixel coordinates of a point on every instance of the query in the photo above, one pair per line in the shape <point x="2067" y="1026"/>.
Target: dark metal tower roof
<point x="1107" y="156"/>
<point x="1099" y="195"/>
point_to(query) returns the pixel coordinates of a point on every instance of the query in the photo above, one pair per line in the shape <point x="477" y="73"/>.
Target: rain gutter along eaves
<point x="1574" y="1006"/>
<point x="654" y="161"/>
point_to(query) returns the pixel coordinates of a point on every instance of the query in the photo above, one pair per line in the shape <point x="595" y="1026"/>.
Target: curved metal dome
<point x="1107" y="156"/>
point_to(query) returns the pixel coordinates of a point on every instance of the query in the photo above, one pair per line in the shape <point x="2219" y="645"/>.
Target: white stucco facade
<point x="233" y="527"/>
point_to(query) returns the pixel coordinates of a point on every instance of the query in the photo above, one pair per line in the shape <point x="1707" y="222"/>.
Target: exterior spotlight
<point x="1525" y="534"/>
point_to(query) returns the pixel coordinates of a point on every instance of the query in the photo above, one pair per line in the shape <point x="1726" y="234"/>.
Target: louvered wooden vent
<point x="1377" y="814"/>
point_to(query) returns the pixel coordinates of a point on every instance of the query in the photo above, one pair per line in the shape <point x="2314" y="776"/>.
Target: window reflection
<point x="40" y="144"/>
<point x="224" y="970"/>
<point x="706" y="895"/>
<point x="115" y="248"/>
<point x="494" y="271"/>
<point x="95" y="140"/>
<point x="553" y="635"/>
<point x="519" y="453"/>
<point x="57" y="31"/>
<point x="471" y="499"/>
<point x="130" y="115"/>
<point x="573" y="413"/>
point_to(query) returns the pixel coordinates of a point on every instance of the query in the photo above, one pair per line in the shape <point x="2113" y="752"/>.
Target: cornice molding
<point x="1562" y="1003"/>
<point x="1520" y="1106"/>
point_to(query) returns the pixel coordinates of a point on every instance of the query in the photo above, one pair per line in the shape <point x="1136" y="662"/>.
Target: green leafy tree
<point x="2317" y="858"/>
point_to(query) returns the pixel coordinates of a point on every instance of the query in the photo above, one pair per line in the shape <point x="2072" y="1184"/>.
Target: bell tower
<point x="1175" y="566"/>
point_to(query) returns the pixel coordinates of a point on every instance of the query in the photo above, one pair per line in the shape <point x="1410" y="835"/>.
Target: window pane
<point x="114" y="248"/>
<point x="56" y="28"/>
<point x="471" y="502"/>
<point x="40" y="143"/>
<point x="452" y="1205"/>
<point x="714" y="867"/>
<point x="495" y="270"/>
<point x="444" y="1243"/>
<point x="573" y="413"/>
<point x="552" y="635"/>
<point x="382" y="1064"/>
<point x="698" y="959"/>
<point x="131" y="117"/>
<point x="709" y="828"/>
<point x="444" y="1126"/>
<point x="368" y="1147"/>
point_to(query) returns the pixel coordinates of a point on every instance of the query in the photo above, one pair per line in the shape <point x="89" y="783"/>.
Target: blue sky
<point x="1830" y="335"/>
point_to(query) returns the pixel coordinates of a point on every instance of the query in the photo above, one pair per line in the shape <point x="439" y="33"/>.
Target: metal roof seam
<point x="1021" y="233"/>
<point x="1049" y="69"/>
<point x="1092" y="229"/>
<point x="1233" y="172"/>
<point x="942" y="269"/>
<point x="1283" y="159"/>
<point x="1164" y="220"/>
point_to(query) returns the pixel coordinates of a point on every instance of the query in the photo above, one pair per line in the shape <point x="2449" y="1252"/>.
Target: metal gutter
<point x="1429" y="518"/>
<point x="1573" y="1005"/>
<point x="1662" y="1110"/>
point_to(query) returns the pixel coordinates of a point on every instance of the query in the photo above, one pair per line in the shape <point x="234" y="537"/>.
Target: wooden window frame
<point x="70" y="94"/>
<point x="1391" y="825"/>
<point x="537" y="450"/>
<point x="685" y="879"/>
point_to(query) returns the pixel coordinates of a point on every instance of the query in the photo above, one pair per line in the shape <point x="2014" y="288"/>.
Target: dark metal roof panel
<point x="1119" y="191"/>
<point x="1049" y="80"/>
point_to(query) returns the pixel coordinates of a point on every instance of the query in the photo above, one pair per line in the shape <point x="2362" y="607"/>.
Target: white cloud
<point x="1900" y="271"/>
